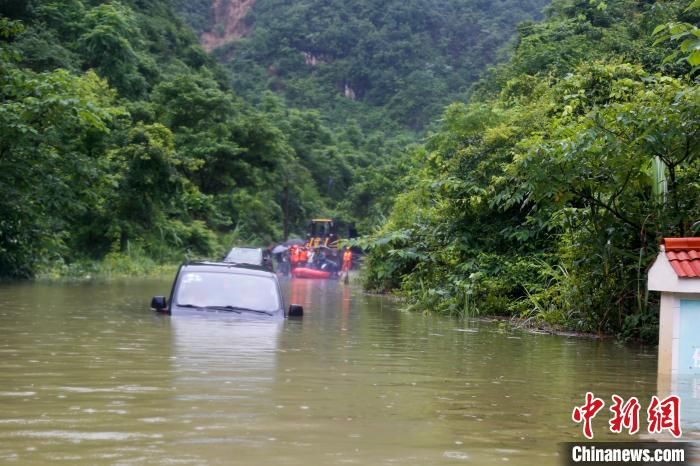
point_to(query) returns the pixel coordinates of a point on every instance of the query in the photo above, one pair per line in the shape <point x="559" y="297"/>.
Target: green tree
<point x="107" y="44"/>
<point x="51" y="129"/>
<point x="546" y="195"/>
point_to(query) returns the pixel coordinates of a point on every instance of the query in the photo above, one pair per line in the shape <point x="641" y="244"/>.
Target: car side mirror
<point x="295" y="310"/>
<point x="159" y="304"/>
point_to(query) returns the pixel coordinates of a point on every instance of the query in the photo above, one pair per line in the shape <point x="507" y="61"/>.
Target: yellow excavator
<point x="324" y="232"/>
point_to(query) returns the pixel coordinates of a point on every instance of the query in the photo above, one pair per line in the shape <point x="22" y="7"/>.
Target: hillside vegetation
<point x="387" y="64"/>
<point x="541" y="192"/>
<point x="546" y="194"/>
<point x="120" y="137"/>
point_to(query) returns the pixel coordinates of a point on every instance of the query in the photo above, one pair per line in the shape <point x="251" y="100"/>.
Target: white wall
<point x="662" y="277"/>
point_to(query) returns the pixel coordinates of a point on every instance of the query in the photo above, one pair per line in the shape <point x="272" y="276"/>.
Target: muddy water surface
<point x="89" y="376"/>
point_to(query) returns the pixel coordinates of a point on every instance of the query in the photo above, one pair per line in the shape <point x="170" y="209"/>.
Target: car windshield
<point x="207" y="289"/>
<point x="245" y="256"/>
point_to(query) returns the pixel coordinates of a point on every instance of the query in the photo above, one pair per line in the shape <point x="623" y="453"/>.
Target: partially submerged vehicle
<point x="250" y="255"/>
<point x="228" y="288"/>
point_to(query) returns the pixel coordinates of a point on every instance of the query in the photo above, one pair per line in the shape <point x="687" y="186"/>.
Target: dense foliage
<point x="120" y="136"/>
<point x="542" y="193"/>
<point x="545" y="195"/>
<point x="388" y="64"/>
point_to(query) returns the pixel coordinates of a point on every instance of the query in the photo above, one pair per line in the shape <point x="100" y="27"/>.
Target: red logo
<point x="587" y="412"/>
<point x="661" y="415"/>
<point x="624" y="415"/>
<point x="665" y="415"/>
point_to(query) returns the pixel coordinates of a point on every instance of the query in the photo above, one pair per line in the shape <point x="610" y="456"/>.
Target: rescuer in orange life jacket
<point x="293" y="257"/>
<point x="347" y="260"/>
<point x="303" y="257"/>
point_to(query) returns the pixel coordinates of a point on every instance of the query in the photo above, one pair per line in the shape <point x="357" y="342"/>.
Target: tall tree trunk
<point x="285" y="211"/>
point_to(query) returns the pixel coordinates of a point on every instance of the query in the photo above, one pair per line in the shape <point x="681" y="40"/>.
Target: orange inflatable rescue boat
<point x="306" y="272"/>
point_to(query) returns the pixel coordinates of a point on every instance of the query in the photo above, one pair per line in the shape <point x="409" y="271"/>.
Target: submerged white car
<point x="230" y="288"/>
<point x="252" y="256"/>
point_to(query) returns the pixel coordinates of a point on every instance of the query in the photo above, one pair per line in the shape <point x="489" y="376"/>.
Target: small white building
<point x="676" y="274"/>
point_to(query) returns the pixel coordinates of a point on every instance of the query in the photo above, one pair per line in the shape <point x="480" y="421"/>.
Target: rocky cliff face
<point x="228" y="22"/>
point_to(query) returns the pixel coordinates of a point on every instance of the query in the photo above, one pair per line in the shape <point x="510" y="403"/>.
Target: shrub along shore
<point x="546" y="195"/>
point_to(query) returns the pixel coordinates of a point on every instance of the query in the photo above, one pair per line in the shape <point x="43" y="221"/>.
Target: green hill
<point x="120" y="136"/>
<point x="383" y="63"/>
<point x="546" y="194"/>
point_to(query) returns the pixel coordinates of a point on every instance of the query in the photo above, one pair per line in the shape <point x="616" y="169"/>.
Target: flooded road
<point x="89" y="376"/>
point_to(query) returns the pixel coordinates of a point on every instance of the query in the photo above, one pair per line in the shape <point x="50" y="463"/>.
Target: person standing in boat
<point x="303" y="257"/>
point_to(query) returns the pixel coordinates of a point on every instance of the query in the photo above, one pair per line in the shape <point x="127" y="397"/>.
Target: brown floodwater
<point x="90" y="376"/>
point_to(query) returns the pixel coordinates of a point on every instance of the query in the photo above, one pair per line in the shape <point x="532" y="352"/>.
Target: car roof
<point x="227" y="267"/>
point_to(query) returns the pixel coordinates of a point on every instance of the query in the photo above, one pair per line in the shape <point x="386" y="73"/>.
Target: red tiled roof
<point x="684" y="256"/>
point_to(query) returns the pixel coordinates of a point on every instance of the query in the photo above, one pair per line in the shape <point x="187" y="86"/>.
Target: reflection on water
<point x="223" y="370"/>
<point x="688" y="388"/>
<point x="89" y="376"/>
